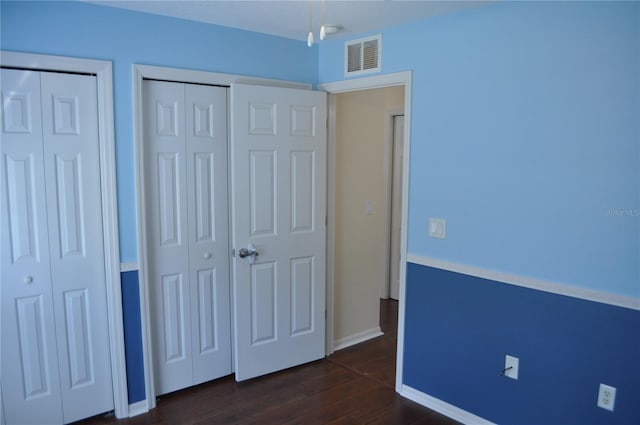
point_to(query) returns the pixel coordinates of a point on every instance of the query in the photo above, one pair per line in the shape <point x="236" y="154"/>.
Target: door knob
<point x="249" y="252"/>
<point x="28" y="279"/>
<point x="244" y="253"/>
<point x="207" y="255"/>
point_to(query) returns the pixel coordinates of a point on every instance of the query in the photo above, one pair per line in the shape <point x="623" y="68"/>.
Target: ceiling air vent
<point x="363" y="56"/>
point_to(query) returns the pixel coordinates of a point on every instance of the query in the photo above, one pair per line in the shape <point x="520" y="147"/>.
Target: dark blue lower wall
<point x="133" y="336"/>
<point x="459" y="328"/>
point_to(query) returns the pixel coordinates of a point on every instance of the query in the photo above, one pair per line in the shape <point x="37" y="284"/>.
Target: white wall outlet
<point x="437" y="228"/>
<point x="511" y="366"/>
<point x="606" y="397"/>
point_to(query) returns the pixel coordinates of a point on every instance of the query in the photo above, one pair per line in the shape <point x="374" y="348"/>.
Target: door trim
<point x="387" y="248"/>
<point x="395" y="79"/>
<point x="141" y="72"/>
<point x="104" y="78"/>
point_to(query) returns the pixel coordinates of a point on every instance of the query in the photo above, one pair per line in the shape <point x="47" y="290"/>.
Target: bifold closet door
<point x="55" y="349"/>
<point x="185" y="159"/>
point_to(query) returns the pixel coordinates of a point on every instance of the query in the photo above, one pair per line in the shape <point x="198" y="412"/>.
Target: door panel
<point x="71" y="159"/>
<point x="27" y="298"/>
<point x="302" y="191"/>
<point x="166" y="175"/>
<point x="168" y="197"/>
<point x="207" y="195"/>
<point x="263" y="303"/>
<point x="186" y="175"/>
<point x="79" y="346"/>
<point x="207" y="295"/>
<point x="173" y="309"/>
<point x="35" y="364"/>
<point x="263" y="192"/>
<point x="302" y="302"/>
<point x="279" y="188"/>
<point x="21" y="197"/>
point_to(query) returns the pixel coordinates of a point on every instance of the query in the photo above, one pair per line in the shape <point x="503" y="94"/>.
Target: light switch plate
<point x="437" y="228"/>
<point x="368" y="207"/>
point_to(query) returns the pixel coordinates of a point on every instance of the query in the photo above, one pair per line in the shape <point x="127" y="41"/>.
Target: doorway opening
<point x="360" y="213"/>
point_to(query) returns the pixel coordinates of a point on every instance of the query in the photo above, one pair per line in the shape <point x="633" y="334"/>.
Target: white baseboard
<point x="442" y="407"/>
<point x="357" y="338"/>
<point x="138" y="408"/>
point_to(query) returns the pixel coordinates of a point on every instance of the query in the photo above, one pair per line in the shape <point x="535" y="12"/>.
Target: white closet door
<point x="167" y="233"/>
<point x="72" y="172"/>
<point x="279" y="207"/>
<point x="55" y="358"/>
<point x="30" y="377"/>
<point x="206" y="141"/>
<point x="185" y="160"/>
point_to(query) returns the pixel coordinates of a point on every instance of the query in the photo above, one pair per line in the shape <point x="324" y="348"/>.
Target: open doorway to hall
<point x="368" y="184"/>
<point x="375" y="358"/>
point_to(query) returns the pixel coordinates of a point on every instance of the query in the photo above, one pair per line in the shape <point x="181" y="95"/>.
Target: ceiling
<point x="290" y="18"/>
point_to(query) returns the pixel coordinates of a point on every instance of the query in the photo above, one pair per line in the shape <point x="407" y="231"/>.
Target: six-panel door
<point x="279" y="197"/>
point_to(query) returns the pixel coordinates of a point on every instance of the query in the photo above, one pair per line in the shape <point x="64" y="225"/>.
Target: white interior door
<point x="185" y="150"/>
<point x="279" y="208"/>
<point x="55" y="348"/>
<point x="396" y="206"/>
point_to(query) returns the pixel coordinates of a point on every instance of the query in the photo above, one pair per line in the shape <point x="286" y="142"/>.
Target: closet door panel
<point x="206" y="147"/>
<point x="168" y="234"/>
<point x="30" y="378"/>
<point x="76" y="243"/>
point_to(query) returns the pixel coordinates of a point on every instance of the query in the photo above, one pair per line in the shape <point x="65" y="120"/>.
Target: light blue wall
<point x="525" y="137"/>
<point x="127" y="38"/>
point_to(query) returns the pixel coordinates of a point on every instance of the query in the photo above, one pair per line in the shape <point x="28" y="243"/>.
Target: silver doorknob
<point x="244" y="253"/>
<point x="28" y="279"/>
<point x="207" y="255"/>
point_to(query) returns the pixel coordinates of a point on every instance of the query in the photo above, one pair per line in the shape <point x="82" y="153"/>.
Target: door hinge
<point x="326" y="221"/>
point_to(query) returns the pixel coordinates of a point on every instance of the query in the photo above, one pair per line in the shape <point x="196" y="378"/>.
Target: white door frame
<point x="380" y="81"/>
<point x="141" y="72"/>
<point x="104" y="77"/>
<point x="387" y="249"/>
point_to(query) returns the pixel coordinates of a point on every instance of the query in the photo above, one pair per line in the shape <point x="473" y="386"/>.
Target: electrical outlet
<point x="511" y="367"/>
<point x="606" y="397"/>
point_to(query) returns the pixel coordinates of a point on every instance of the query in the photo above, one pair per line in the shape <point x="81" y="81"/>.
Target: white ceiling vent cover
<point x="363" y="56"/>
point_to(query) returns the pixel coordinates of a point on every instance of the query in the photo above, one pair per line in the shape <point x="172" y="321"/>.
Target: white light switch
<point x="437" y="228"/>
<point x="368" y="207"/>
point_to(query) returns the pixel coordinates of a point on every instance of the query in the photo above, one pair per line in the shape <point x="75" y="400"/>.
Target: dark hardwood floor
<point x="353" y="386"/>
